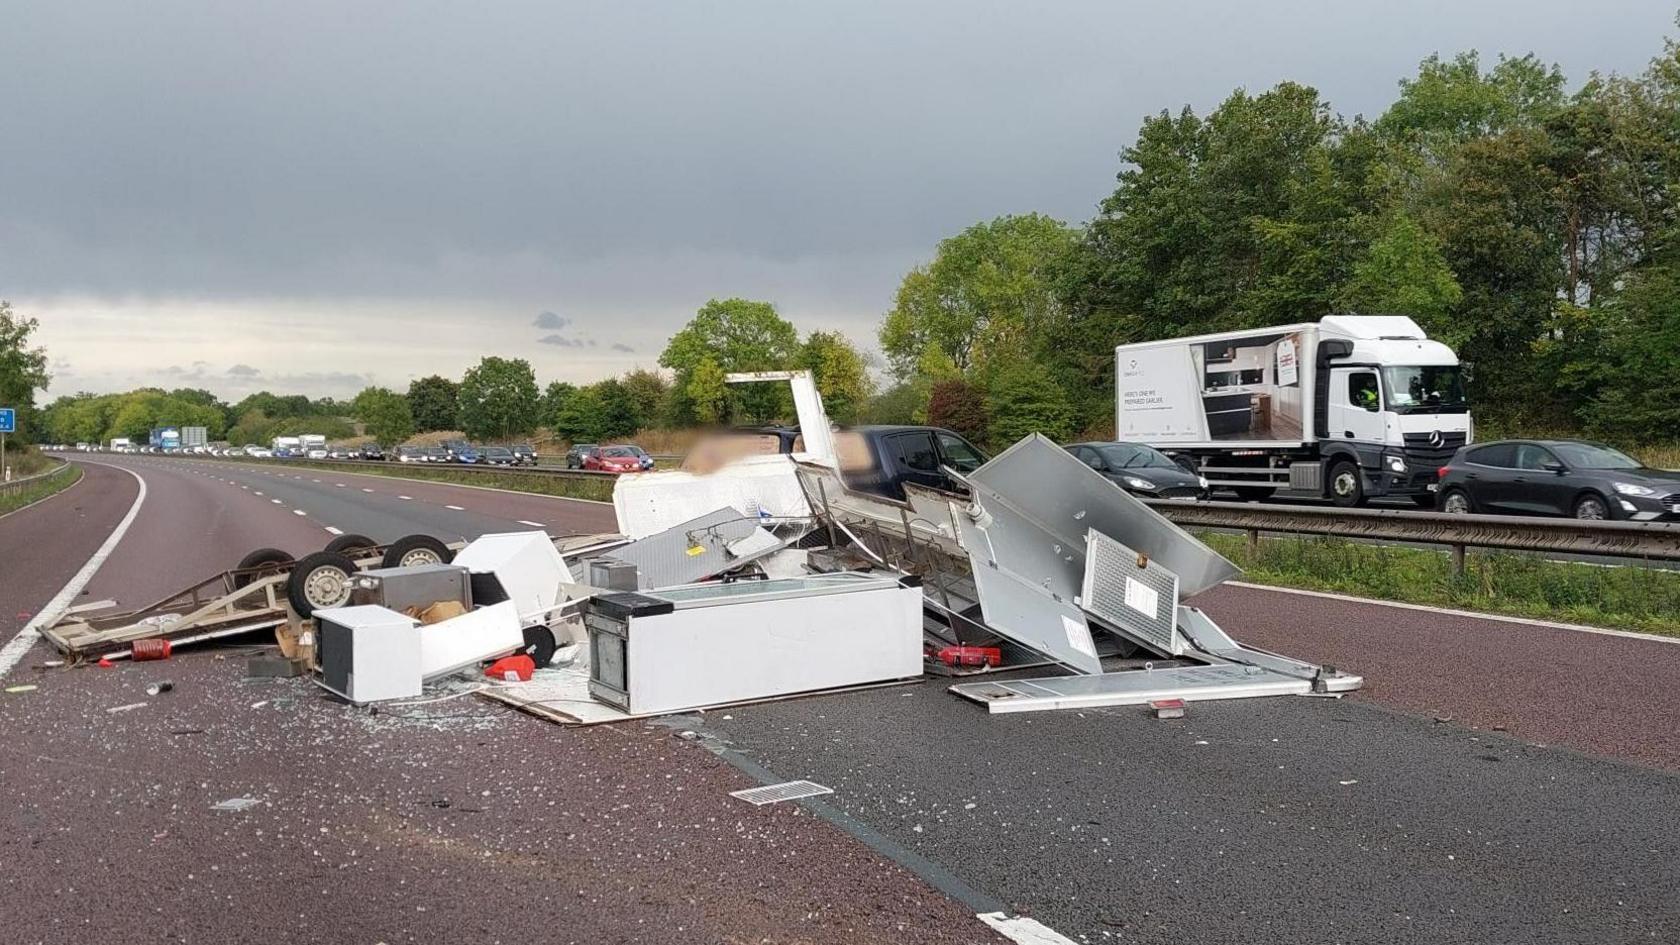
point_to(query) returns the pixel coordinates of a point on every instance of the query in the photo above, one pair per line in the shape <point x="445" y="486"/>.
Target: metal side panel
<point x="1024" y="587"/>
<point x="1046" y="482"/>
<point x="1135" y="687"/>
<point x="1208" y="637"/>
<point x="668" y="558"/>
<point x="1140" y="599"/>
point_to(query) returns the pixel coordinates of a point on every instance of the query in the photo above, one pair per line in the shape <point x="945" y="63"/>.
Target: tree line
<point x="1532" y="228"/>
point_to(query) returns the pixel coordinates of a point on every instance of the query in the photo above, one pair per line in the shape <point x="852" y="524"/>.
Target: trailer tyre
<point x="539" y="645"/>
<point x="271" y="560"/>
<point x="1347" y="484"/>
<point x="348" y="544"/>
<point x="320" y="580"/>
<point x="412" y="550"/>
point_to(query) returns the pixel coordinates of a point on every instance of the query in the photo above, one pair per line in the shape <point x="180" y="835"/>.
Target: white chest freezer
<point x="702" y="645"/>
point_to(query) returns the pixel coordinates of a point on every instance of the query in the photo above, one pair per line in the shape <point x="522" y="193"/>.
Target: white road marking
<point x="258" y="492"/>
<point x="299" y="512"/>
<point x="1021" y="929"/>
<point x="455" y="507"/>
<point x="339" y="484"/>
<point x="1501" y="618"/>
<point x="335" y="531"/>
<point x="404" y="497"/>
<point x="532" y="524"/>
<point x="314" y="480"/>
<point x="367" y="490"/>
<point x="275" y="501"/>
<point x="20" y="644"/>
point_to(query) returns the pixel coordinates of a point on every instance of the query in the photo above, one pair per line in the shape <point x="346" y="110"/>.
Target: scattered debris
<point x="237" y="803"/>
<point x="1348" y="782"/>
<point x="154" y="648"/>
<point x="126" y="708"/>
<point x="776" y="793"/>
<point x="160" y="687"/>
<point x="512" y="668"/>
<point x="21" y="688"/>
<point x="1168" y="708"/>
<point x="266" y="666"/>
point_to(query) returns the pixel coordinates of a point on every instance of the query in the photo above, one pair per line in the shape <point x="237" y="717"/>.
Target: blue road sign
<point x="8" y="420"/>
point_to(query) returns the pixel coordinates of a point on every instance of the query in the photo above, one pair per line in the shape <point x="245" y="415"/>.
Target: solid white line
<point x="455" y="507"/>
<point x="532" y="524"/>
<point x="1024" y="930"/>
<point x="335" y="531"/>
<point x="20" y="644"/>
<point x="1478" y="615"/>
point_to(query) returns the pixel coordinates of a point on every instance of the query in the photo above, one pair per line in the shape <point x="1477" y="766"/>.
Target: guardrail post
<point x="1253" y="542"/>
<point x="1458" y="560"/>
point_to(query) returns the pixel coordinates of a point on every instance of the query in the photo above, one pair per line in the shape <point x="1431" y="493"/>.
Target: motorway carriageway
<point x="1401" y="814"/>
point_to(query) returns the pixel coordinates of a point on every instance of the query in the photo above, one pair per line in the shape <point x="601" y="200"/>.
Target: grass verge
<point x="537" y="483"/>
<point x="12" y="500"/>
<point x="1632" y="597"/>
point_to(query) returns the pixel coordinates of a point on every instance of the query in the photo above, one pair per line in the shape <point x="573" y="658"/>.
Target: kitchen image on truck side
<point x="1352" y="407"/>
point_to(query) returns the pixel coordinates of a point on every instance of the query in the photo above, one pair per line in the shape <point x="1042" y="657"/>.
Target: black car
<point x="578" y="453"/>
<point x="498" y="456"/>
<point x="1141" y="470"/>
<point x="1557" y="477"/>
<point x="523" y="454"/>
<point x="373" y="451"/>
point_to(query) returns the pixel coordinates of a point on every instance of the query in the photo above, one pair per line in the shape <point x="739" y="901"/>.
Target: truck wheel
<point x="1347" y="484"/>
<point x="413" y="550"/>
<point x="1591" y="508"/>
<point x="1253" y="493"/>
<point x="270" y="560"/>
<point x="349" y="544"/>
<point x="320" y="580"/>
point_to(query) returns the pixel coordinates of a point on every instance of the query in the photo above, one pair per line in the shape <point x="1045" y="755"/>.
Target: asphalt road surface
<point x="1399" y="815"/>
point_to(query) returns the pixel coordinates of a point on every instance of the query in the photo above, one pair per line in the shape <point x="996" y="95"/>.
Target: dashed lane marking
<point x="367" y="490"/>
<point x="1024" y="930"/>
<point x="20" y="644"/>
<point x="334" y="531"/>
<point x="455" y="507"/>
<point x="275" y="501"/>
<point x="299" y="512"/>
<point x="532" y="524"/>
<point x="404" y="497"/>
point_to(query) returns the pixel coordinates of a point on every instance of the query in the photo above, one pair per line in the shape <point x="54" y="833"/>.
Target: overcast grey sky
<point x="312" y="196"/>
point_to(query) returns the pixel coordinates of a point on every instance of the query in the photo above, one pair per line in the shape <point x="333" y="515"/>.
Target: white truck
<point x="1352" y="407"/>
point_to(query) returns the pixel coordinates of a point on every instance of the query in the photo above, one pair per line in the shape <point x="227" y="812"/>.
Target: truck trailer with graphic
<point x="1349" y="407"/>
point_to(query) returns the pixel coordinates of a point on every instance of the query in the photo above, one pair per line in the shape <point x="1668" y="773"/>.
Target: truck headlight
<point x="1628" y="488"/>
<point x="1137" y="483"/>
<point x="1396" y="464"/>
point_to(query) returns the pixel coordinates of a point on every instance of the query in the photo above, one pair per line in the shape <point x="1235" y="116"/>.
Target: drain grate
<point x="787" y="791"/>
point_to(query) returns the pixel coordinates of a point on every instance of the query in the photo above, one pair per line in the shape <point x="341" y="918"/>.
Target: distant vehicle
<point x="319" y="452"/>
<point x="120" y="444"/>
<point x="435" y="454"/>
<point x="410" y="454"/>
<point x="499" y="456"/>
<point x="1557" y="477"/>
<point x="613" y="459"/>
<point x="341" y="452"/>
<point x="372" y="451"/>
<point x="1349" y="407"/>
<point x="466" y="454"/>
<point x="523" y="454"/>
<point x="1141" y="470"/>
<point x="580" y="452"/>
<point x="285" y="443"/>
<point x="258" y="452"/>
<point x="883" y="459"/>
<point x="639" y="453"/>
<point x="452" y="447"/>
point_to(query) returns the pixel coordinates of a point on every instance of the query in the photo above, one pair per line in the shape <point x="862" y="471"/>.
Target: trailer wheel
<point x="320" y="580"/>
<point x="349" y="544"/>
<point x="1347" y="484"/>
<point x="412" y="550"/>
<point x="270" y="560"/>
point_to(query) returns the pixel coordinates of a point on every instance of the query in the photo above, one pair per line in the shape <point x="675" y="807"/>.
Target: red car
<point x="615" y="459"/>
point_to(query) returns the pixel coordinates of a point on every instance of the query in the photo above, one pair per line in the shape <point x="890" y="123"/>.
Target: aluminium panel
<point x="1133" y="595"/>
<point x="1135" y="687"/>
<point x="1046" y="482"/>
<point x="669" y="558"/>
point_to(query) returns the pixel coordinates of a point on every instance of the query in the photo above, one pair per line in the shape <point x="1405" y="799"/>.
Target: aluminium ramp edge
<point x="1133" y="687"/>
<point x="1048" y="483"/>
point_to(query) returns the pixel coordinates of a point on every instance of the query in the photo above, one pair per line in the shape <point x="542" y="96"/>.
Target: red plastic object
<point x="511" y="668"/>
<point x="105" y="662"/>
<point x="970" y="655"/>
<point x="155" y="648"/>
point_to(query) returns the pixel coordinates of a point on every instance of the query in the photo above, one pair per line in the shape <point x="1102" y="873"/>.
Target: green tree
<point x="23" y="369"/>
<point x="737" y="335"/>
<point x="840" y="374"/>
<point x="707" y="391"/>
<point x="434" y="401"/>
<point x="554" y="399"/>
<point x="499" y="398"/>
<point x="1453" y="101"/>
<point x="1022" y="399"/>
<point x="960" y="406"/>
<point x="385" y="415"/>
<point x="990" y="287"/>
<point x="583" y="418"/>
<point x="1403" y="273"/>
<point x="648" y="391"/>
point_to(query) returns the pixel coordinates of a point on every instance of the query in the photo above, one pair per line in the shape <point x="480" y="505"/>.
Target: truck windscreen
<point x="1425" y="389"/>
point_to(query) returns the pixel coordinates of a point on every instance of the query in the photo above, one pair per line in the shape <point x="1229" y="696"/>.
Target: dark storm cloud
<point x="623" y="348"/>
<point x="550" y="321"/>
<point x="561" y="341"/>
<point x="242" y="370"/>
